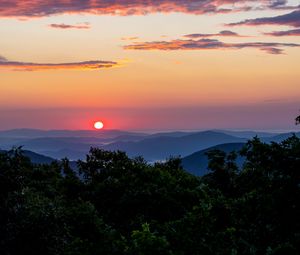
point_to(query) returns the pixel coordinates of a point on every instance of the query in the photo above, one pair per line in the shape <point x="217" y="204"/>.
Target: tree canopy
<point x="113" y="204"/>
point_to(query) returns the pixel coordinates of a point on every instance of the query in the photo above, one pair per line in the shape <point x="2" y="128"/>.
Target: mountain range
<point x="75" y="145"/>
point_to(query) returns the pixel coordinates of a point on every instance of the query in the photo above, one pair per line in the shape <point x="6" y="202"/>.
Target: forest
<point x="112" y="204"/>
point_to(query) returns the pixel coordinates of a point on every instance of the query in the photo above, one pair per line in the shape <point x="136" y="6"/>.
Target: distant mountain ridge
<point x="37" y="133"/>
<point x="162" y="147"/>
<point x="35" y="157"/>
<point x="246" y="134"/>
<point x="197" y="163"/>
<point x="158" y="146"/>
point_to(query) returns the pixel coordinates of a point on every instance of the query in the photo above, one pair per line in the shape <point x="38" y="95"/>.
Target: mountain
<point x="57" y="146"/>
<point x="75" y="144"/>
<point x="37" y="133"/>
<point x="35" y="157"/>
<point x="49" y="143"/>
<point x="63" y="143"/>
<point x="71" y="154"/>
<point x="246" y="134"/>
<point x="280" y="137"/>
<point x="162" y="147"/>
<point x="197" y="162"/>
<point x="38" y="158"/>
<point x="171" y="134"/>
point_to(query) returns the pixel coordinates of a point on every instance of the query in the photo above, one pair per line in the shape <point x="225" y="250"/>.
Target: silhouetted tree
<point x="298" y="120"/>
<point x="52" y="209"/>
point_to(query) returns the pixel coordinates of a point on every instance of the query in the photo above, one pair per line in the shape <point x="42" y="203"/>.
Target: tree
<point x="145" y="242"/>
<point x="298" y="120"/>
<point x="54" y="210"/>
<point x="223" y="171"/>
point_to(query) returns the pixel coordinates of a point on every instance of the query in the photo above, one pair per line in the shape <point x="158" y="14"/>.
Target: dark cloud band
<point x="209" y="44"/>
<point x="40" y="8"/>
<point x="28" y="66"/>
<point x="225" y="33"/>
<point x="293" y="32"/>
<point x="290" y="19"/>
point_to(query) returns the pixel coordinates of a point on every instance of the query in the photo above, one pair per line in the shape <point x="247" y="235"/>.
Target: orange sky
<point x="87" y="67"/>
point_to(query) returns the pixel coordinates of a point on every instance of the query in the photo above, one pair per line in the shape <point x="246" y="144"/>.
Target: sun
<point x="98" y="125"/>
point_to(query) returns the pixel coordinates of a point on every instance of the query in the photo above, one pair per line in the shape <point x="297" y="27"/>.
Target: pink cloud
<point x="65" y="26"/>
<point x="293" y="32"/>
<point x="209" y="44"/>
<point x="225" y="33"/>
<point x="40" y="8"/>
<point x="28" y="66"/>
<point x="289" y="19"/>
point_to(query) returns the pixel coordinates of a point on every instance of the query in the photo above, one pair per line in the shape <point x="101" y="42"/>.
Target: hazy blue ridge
<point x="197" y="163"/>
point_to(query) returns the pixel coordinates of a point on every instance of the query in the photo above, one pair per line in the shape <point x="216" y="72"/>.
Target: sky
<point x="150" y="64"/>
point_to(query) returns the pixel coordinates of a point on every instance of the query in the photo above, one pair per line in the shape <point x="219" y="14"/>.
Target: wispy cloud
<point x="290" y="19"/>
<point x="40" y="8"/>
<point x="2" y="59"/>
<point x="225" y="33"/>
<point x="293" y="32"/>
<point x="28" y="66"/>
<point x="66" y="26"/>
<point x="209" y="44"/>
<point x="272" y="50"/>
<point x="129" y="38"/>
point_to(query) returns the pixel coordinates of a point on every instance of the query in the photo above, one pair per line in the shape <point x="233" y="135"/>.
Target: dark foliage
<point x="118" y="205"/>
<point x="298" y="120"/>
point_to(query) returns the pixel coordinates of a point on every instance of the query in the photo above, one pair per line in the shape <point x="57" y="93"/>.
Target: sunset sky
<point x="150" y="64"/>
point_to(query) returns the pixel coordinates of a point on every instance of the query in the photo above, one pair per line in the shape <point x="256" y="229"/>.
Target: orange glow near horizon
<point x="68" y="77"/>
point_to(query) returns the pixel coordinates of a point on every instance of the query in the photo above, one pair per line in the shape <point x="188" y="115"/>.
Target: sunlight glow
<point x="98" y="125"/>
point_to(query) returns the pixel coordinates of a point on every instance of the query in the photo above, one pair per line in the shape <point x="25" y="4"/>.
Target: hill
<point x="162" y="147"/>
<point x="197" y="162"/>
<point x="35" y="157"/>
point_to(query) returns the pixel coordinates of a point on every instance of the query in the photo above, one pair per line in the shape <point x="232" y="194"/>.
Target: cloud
<point x="129" y="38"/>
<point x="294" y="32"/>
<point x="65" y="26"/>
<point x="271" y="50"/>
<point x="225" y="33"/>
<point x="290" y="19"/>
<point x="209" y="44"/>
<point x="2" y="59"/>
<point x="28" y="66"/>
<point x="40" y="8"/>
<point x="278" y="3"/>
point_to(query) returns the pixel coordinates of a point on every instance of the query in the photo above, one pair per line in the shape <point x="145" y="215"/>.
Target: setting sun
<point x="98" y="125"/>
